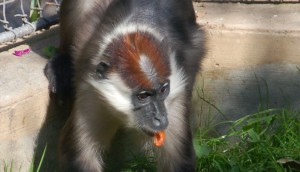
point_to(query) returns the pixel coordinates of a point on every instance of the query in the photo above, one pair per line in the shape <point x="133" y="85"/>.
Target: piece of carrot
<point x="159" y="138"/>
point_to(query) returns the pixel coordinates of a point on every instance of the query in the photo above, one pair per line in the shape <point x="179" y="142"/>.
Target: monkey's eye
<point x="144" y="95"/>
<point x="102" y="69"/>
<point x="164" y="88"/>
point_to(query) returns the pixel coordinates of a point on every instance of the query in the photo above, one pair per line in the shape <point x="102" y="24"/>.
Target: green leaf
<point x="42" y="159"/>
<point x="49" y="51"/>
<point x="203" y="150"/>
<point x="254" y="137"/>
<point x="34" y="14"/>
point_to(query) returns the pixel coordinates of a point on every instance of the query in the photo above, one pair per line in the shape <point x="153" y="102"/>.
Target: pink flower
<point x="21" y="52"/>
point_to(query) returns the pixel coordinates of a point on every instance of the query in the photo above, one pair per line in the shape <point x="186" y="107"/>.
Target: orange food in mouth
<point x="159" y="138"/>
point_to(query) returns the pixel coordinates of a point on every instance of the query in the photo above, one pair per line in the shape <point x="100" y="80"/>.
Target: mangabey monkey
<point x="132" y="64"/>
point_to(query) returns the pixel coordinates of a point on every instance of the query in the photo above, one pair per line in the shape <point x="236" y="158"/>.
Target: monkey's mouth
<point x="148" y="131"/>
<point x="158" y="136"/>
<point x="151" y="129"/>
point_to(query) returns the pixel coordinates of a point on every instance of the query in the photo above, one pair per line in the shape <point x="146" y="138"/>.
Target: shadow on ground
<point x="48" y="136"/>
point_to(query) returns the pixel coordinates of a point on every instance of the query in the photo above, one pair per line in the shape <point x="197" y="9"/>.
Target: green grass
<point x="141" y="163"/>
<point x="10" y="168"/>
<point x="255" y="142"/>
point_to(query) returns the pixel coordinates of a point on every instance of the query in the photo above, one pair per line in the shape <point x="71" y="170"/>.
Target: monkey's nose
<point x="160" y="123"/>
<point x="156" y="122"/>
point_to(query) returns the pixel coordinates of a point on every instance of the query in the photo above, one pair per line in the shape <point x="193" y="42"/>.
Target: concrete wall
<point x="247" y="71"/>
<point x="24" y="101"/>
<point x="253" y="60"/>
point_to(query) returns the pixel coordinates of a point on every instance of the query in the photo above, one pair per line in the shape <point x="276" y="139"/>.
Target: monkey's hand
<point x="59" y="72"/>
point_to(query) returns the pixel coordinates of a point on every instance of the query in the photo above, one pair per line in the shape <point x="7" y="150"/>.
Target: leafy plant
<point x="255" y="142"/>
<point x="34" y="12"/>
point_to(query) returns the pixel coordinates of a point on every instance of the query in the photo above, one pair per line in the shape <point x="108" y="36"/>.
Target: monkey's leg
<point x="78" y="152"/>
<point x="87" y="136"/>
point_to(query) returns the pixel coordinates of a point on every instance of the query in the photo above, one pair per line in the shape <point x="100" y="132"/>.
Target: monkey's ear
<point x="102" y="69"/>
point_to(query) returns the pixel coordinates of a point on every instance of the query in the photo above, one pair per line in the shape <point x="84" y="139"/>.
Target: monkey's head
<point x="132" y="74"/>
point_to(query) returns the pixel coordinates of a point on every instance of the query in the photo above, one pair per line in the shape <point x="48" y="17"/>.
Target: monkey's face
<point x="149" y="107"/>
<point x="133" y="75"/>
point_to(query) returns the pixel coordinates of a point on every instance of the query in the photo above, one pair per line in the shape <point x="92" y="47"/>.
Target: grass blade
<point x="42" y="159"/>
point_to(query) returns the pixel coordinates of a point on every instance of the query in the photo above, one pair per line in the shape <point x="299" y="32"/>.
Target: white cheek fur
<point x="115" y="92"/>
<point x="177" y="81"/>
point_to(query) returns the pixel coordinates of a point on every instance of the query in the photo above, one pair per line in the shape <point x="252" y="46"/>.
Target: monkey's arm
<point x="77" y="21"/>
<point x="75" y="157"/>
<point x="87" y="135"/>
